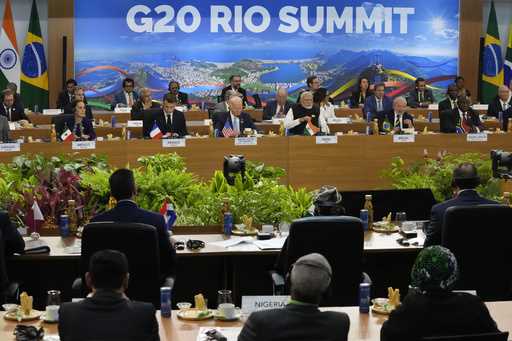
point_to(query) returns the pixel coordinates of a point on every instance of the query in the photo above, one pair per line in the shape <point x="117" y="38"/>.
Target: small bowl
<point x="380" y="301"/>
<point x="240" y="227"/>
<point x="10" y="307"/>
<point x="184" y="305"/>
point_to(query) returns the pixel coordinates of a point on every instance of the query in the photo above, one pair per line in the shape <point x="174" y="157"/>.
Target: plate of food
<point x="382" y="306"/>
<point x="385" y="227"/>
<point x="194" y="314"/>
<point x="20" y="315"/>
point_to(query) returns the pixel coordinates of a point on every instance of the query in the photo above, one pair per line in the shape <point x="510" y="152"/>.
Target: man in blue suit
<point x="465" y="180"/>
<point x="279" y="107"/>
<point x="378" y="105"/>
<point x="235" y="119"/>
<point x="127" y="97"/>
<point x="123" y="189"/>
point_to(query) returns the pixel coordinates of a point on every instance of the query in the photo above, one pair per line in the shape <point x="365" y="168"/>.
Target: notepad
<point x="35" y="246"/>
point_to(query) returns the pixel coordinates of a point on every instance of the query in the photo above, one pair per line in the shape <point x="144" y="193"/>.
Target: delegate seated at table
<point x="79" y="95"/>
<point x="66" y="96"/>
<point x="235" y="84"/>
<point x="234" y="122"/>
<point x="450" y="102"/>
<point x="108" y="314"/>
<point x="378" y="104"/>
<point x="224" y="105"/>
<point x="303" y="115"/>
<point x="278" y="107"/>
<point x="12" y="243"/>
<point x="310" y="278"/>
<point x="420" y="97"/>
<point x="12" y="110"/>
<point x="502" y="104"/>
<point x="127" y="97"/>
<point x="431" y="308"/>
<point x="170" y="121"/>
<point x="398" y="118"/>
<point x="181" y="97"/>
<point x="461" y="120"/>
<point x="358" y="97"/>
<point x="78" y="124"/>
<point x="145" y="102"/>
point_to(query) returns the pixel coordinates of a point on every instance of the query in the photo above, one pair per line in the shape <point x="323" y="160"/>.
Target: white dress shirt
<point x="290" y="123"/>
<point x="505" y="105"/>
<point x="236" y="123"/>
<point x="129" y="98"/>
<point x="399" y="121"/>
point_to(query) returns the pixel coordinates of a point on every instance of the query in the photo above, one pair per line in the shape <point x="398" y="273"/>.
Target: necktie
<point x="466" y="124"/>
<point x="130" y="99"/>
<point x="9" y="113"/>
<point x="280" y="111"/>
<point x="397" y="121"/>
<point x="420" y="97"/>
<point x="168" y="121"/>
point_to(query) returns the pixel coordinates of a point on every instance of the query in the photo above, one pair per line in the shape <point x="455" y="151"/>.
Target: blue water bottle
<point x="113" y="121"/>
<point x="64" y="226"/>
<point x="363" y="215"/>
<point x="429" y="116"/>
<point x="364" y="298"/>
<point x="228" y="223"/>
<point x="165" y="302"/>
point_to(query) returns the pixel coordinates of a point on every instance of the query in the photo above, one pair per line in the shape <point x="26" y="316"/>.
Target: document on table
<point x="270" y="244"/>
<point x="74" y="249"/>
<point x="250" y="244"/>
<point x="231" y="333"/>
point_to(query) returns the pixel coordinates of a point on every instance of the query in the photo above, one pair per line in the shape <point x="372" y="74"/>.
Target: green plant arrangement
<point x="52" y="181"/>
<point x="436" y="174"/>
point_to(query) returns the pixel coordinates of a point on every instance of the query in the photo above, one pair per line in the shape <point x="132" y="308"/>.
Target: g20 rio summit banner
<point x="270" y="43"/>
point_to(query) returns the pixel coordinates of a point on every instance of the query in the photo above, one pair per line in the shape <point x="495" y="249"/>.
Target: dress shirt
<point x="399" y="121"/>
<point x="129" y="98"/>
<point x="290" y="123"/>
<point x="380" y="106"/>
<point x="8" y="112"/>
<point x="279" y="111"/>
<point x="236" y="123"/>
<point x="505" y="105"/>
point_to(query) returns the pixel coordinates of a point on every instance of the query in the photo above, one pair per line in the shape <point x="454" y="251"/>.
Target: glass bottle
<point x="53" y="134"/>
<point x="368" y="205"/>
<point x="73" y="218"/>
<point x="506" y="198"/>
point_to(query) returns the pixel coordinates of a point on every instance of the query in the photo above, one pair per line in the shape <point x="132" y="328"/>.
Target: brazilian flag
<point x="492" y="66"/>
<point x="34" y="69"/>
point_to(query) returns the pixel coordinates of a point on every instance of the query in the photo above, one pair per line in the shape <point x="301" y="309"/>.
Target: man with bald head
<point x="234" y="122"/>
<point x="450" y="102"/>
<point x="224" y="105"/>
<point x="398" y="119"/>
<point x="502" y="103"/>
<point x="310" y="278"/>
<point x="278" y="107"/>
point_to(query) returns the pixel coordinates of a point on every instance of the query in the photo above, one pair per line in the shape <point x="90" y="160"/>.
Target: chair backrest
<point x="148" y="117"/>
<point x="417" y="203"/>
<point x="3" y="266"/>
<point x="139" y="242"/>
<point x="480" y="237"/>
<point x="340" y="239"/>
<point x="475" y="337"/>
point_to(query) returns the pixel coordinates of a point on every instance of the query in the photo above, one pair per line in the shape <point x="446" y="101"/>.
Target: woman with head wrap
<point x="431" y="308"/>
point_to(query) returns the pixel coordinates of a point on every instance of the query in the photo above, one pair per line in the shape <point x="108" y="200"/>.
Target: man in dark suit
<point x="465" y="180"/>
<point x="420" y="97"/>
<point x="235" y="82"/>
<point x="182" y="98"/>
<point x="127" y="97"/>
<point x="78" y="95"/>
<point x="301" y="319"/>
<point x="377" y="105"/>
<point x="18" y="102"/>
<point x="108" y="314"/>
<point x="461" y="120"/>
<point x="502" y="103"/>
<point x="123" y="189"/>
<point x="235" y="119"/>
<point x="66" y="96"/>
<point x="398" y="119"/>
<point x="450" y="102"/>
<point x="170" y="121"/>
<point x="11" y="110"/>
<point x="279" y="107"/>
<point x="313" y="84"/>
<point x="11" y="242"/>
<point x="4" y="129"/>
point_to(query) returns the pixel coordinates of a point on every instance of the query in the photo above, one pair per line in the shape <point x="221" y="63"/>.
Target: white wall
<point x="504" y="16"/>
<point x="21" y="14"/>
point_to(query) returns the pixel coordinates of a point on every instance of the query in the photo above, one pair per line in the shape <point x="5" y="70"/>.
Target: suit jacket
<point x="64" y="99"/>
<point x="107" y="315"/>
<point x="445" y="105"/>
<point x="354" y="98"/>
<point x="128" y="211"/>
<point x="465" y="198"/>
<point x="17" y="112"/>
<point x="138" y="108"/>
<point x="4" y="129"/>
<point x="65" y="120"/>
<point x="245" y="122"/>
<point x="449" y="120"/>
<point x="120" y="98"/>
<point x="221" y="107"/>
<point x="424" y="315"/>
<point x="177" y="126"/>
<point x="495" y="107"/>
<point x="413" y="98"/>
<point x="295" y="323"/>
<point x="270" y="109"/>
<point x="182" y="99"/>
<point x="240" y="90"/>
<point x="370" y="106"/>
<point x="68" y="110"/>
<point x="391" y="119"/>
<point x="10" y="242"/>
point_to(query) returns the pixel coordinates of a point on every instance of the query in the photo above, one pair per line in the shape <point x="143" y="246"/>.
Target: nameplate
<point x="327" y="139"/>
<point x="478" y="137"/>
<point x="257" y="303"/>
<point x="339" y="120"/>
<point x="10" y="147"/>
<point x="480" y="106"/>
<point x="408" y="138"/>
<point x="12" y="126"/>
<point x="122" y="110"/>
<point x="246" y="141"/>
<point x="174" y="143"/>
<point x="207" y="122"/>
<point x="52" y="111"/>
<point x="134" y="124"/>
<point x="181" y="108"/>
<point x="277" y="120"/>
<point x="433" y="107"/>
<point x="83" y="145"/>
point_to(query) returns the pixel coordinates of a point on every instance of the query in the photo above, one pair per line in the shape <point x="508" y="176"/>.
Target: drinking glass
<point x="400" y="218"/>
<point x="224" y="296"/>
<point x="52" y="306"/>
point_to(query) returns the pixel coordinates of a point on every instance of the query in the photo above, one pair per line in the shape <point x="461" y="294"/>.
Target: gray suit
<point x="221" y="107"/>
<point x="4" y="129"/>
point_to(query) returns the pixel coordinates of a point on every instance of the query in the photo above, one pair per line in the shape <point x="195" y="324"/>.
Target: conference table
<point x="363" y="327"/>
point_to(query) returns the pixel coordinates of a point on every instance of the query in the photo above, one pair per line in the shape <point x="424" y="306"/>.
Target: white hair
<point x="400" y="99"/>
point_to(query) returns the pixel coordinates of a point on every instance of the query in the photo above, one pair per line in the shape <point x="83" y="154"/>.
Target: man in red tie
<point x="462" y="119"/>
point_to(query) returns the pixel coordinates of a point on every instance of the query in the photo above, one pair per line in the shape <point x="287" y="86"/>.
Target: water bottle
<point x="364" y="298"/>
<point x="114" y="121"/>
<point x="429" y="116"/>
<point x="364" y="218"/>
<point x="64" y="225"/>
<point x="228" y="223"/>
<point x="165" y="302"/>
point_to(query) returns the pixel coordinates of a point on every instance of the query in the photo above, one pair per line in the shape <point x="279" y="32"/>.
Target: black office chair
<point x="480" y="237"/>
<point x="340" y="239"/>
<point x="475" y="337"/>
<point x="446" y="122"/>
<point x="139" y="242"/>
<point x="417" y="203"/>
<point x="9" y="291"/>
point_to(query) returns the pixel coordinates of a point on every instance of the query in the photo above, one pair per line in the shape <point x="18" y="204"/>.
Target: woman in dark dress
<point x="359" y="96"/>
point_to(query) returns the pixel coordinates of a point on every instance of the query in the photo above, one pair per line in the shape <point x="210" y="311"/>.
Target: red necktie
<point x="466" y="124"/>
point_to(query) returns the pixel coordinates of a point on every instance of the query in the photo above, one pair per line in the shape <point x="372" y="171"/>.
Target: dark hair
<point x="71" y="81"/>
<point x="170" y="98"/>
<point x="122" y="184"/>
<point x="7" y="92"/>
<point x="173" y="82"/>
<point x="108" y="269"/>
<point x="128" y="80"/>
<point x="233" y="76"/>
<point x="310" y="80"/>
<point x="418" y="80"/>
<point x="453" y="85"/>
<point x="458" y="78"/>
<point x="465" y="176"/>
<point x="319" y="95"/>
<point x="75" y="103"/>
<point x="359" y="83"/>
<point x="379" y="85"/>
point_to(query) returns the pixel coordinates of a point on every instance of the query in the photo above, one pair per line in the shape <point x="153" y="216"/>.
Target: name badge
<point x="134" y="124"/>
<point x="409" y="138"/>
<point x="122" y="110"/>
<point x="480" y="106"/>
<point x="246" y="141"/>
<point x="277" y="120"/>
<point x="10" y="147"/>
<point x="433" y="107"/>
<point x="257" y="303"/>
<point x="327" y="139"/>
<point x="52" y="112"/>
<point x="83" y="145"/>
<point x="479" y="137"/>
<point x="174" y="143"/>
<point x="207" y="122"/>
<point x="339" y="120"/>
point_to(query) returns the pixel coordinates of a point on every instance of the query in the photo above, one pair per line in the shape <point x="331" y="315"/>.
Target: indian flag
<point x="10" y="65"/>
<point x="311" y="129"/>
